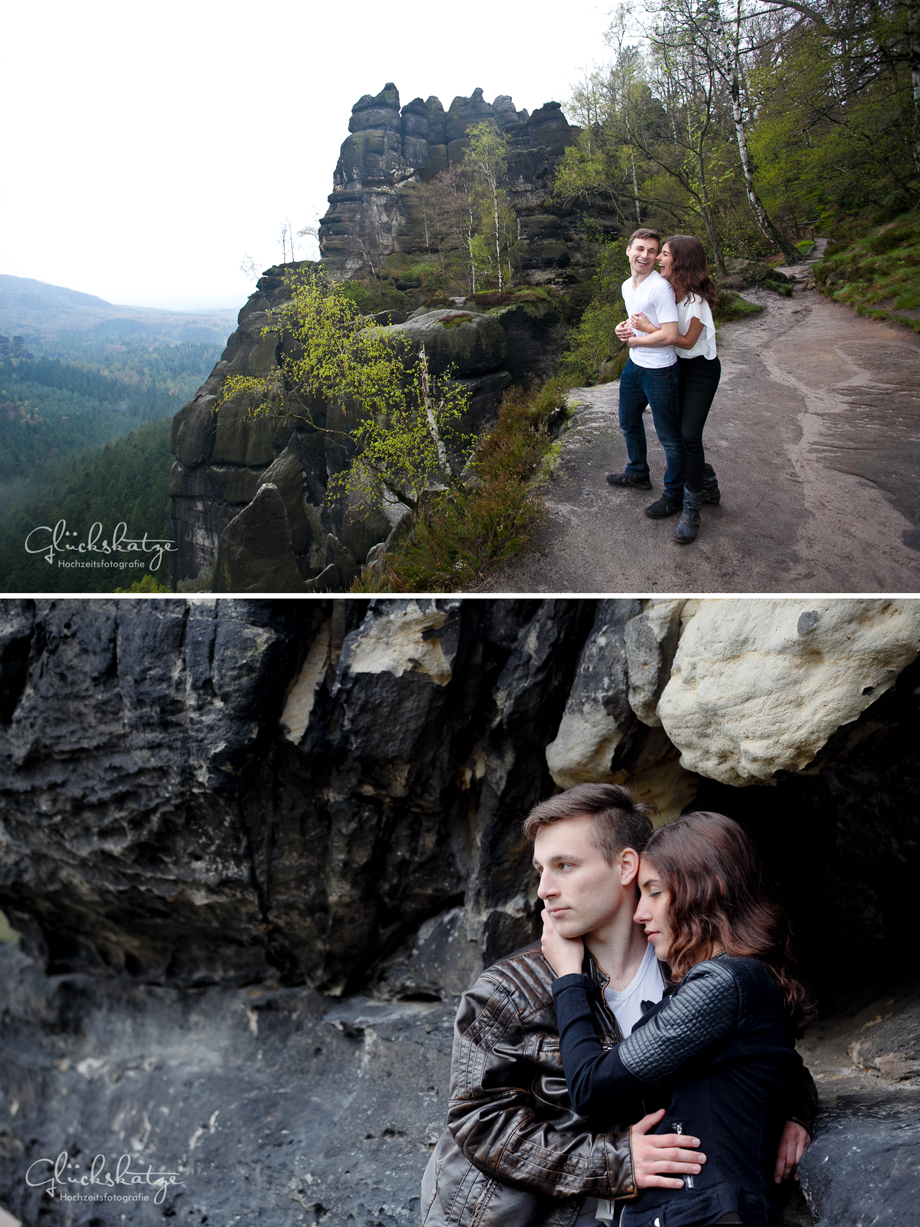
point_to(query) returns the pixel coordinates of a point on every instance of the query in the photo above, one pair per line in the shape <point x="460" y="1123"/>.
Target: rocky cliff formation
<point x="255" y="850"/>
<point x="373" y="211"/>
<point x="251" y="508"/>
<point x="253" y="503"/>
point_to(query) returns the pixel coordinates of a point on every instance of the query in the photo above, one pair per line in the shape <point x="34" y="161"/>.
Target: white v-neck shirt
<point x="647" y="985"/>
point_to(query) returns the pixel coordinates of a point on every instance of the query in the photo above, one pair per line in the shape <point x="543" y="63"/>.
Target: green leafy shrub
<point x="461" y="536"/>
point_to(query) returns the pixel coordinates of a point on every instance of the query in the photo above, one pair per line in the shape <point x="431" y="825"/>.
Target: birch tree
<point x="488" y="156"/>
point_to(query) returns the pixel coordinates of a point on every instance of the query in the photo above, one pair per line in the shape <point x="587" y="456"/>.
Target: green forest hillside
<point x="50" y="407"/>
<point x="85" y="440"/>
<point x="122" y="482"/>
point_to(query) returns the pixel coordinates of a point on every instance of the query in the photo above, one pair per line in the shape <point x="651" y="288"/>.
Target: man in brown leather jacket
<point x="515" y="1153"/>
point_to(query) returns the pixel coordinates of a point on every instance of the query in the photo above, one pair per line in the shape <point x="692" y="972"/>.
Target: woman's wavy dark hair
<point x="711" y="871"/>
<point x="690" y="272"/>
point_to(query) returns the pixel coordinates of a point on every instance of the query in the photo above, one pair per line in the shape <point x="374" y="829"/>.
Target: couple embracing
<point x="640" y="1067"/>
<point x="673" y="368"/>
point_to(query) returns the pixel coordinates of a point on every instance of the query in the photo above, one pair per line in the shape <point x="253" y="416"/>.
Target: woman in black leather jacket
<point x="718" y="1052"/>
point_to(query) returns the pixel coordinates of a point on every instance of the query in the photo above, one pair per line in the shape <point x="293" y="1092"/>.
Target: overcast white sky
<point x="146" y="149"/>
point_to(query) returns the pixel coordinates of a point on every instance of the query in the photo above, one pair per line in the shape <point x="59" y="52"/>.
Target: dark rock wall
<point x="261" y="1106"/>
<point x="190" y="840"/>
<point x="389" y="151"/>
<point x="256" y="848"/>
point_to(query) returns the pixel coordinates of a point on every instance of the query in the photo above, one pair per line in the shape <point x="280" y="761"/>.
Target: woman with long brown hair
<point x="682" y="261"/>
<point x="718" y="1052"/>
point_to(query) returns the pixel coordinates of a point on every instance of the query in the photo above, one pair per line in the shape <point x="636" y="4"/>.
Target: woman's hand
<point x="564" y="954"/>
<point x="792" y="1145"/>
<point x="642" y="322"/>
<point x="655" y="1154"/>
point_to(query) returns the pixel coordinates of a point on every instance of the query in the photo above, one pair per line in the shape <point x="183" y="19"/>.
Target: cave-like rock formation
<point x="255" y="849"/>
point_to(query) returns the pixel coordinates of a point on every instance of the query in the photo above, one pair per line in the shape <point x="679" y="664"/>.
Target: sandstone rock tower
<point x="390" y="150"/>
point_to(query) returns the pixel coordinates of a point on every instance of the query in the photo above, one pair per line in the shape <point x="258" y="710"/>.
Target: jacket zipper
<point x="601" y="979"/>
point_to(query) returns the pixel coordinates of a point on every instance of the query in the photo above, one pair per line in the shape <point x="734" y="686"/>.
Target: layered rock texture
<point x="255" y="849"/>
<point x="254" y="508"/>
<point x="373" y="211"/>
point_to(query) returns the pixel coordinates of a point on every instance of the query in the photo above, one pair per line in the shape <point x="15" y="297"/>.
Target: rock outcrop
<point x="252" y="507"/>
<point x="255" y="849"/>
<point x="315" y="540"/>
<point x="373" y="211"/>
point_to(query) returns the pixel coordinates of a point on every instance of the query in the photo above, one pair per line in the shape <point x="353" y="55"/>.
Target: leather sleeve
<point x="694" y="1023"/>
<point x="804" y="1102"/>
<point x="493" y="1118"/>
<point x="691" y="1026"/>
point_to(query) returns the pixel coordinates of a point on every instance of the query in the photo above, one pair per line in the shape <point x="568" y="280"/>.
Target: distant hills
<point x="36" y="310"/>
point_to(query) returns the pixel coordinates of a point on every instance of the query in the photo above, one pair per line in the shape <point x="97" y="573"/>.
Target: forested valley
<point x="84" y="438"/>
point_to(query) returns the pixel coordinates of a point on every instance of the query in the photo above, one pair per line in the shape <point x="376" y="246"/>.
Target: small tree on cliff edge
<point x="363" y="388"/>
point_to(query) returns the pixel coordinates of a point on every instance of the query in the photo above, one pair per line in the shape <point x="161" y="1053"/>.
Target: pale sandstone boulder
<point x="599" y="738"/>
<point x="758" y="686"/>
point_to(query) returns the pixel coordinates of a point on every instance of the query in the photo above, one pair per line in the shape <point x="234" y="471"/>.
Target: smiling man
<point x="650" y="377"/>
<point x="515" y="1153"/>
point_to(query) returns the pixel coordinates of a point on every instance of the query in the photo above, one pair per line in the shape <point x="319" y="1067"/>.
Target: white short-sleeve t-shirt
<point x="655" y="298"/>
<point x="695" y="308"/>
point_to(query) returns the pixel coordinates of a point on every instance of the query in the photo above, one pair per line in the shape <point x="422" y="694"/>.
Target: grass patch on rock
<point x="875" y="268"/>
<point x="731" y="306"/>
<point x="459" y="539"/>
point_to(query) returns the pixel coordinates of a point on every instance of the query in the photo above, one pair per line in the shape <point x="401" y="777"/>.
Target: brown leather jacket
<point x="515" y="1153"/>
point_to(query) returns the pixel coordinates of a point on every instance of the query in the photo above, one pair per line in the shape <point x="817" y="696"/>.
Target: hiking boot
<point x="623" y="479"/>
<point x="689" y="523"/>
<point x="664" y="507"/>
<point x="711" y="492"/>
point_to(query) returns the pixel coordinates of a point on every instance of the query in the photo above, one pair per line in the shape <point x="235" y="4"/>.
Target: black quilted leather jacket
<point x="719" y="1052"/>
<point x="515" y="1153"/>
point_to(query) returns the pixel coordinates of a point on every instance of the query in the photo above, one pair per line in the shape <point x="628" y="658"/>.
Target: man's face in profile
<point x="580" y="889"/>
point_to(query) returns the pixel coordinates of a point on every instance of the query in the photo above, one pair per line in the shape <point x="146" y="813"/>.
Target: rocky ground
<point x="281" y="1107"/>
<point x="815" y="436"/>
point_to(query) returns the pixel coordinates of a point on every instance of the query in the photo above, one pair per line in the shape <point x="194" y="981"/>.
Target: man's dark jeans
<point x="658" y="387"/>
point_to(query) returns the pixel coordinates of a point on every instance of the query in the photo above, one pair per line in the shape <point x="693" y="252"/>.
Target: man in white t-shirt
<point x="651" y="377"/>
<point x="514" y="1154"/>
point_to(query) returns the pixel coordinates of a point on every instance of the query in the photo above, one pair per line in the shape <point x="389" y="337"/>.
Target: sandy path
<point x="815" y="436"/>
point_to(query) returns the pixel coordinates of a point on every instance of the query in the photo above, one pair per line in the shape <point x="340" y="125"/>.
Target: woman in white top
<point x="683" y="264"/>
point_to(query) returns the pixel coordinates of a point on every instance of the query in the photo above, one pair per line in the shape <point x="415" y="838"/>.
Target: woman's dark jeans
<point x="699" y="378"/>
